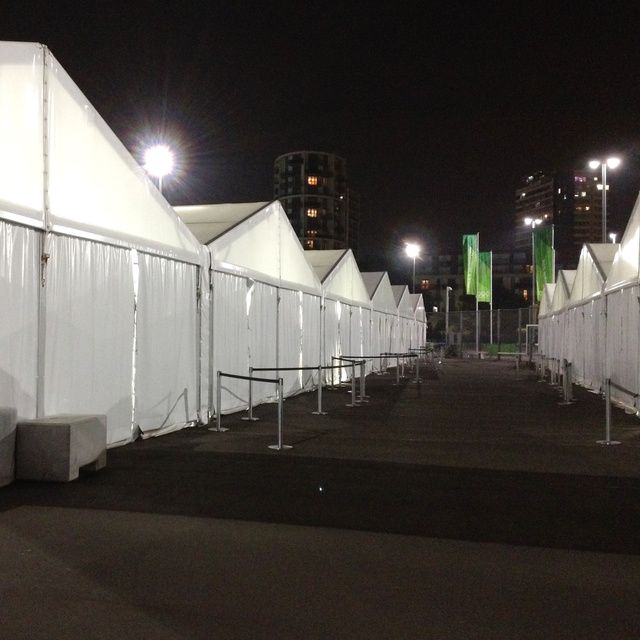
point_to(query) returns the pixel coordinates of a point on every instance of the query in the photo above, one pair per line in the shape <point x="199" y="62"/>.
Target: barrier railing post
<point x="218" y="403"/>
<point x="607" y="400"/>
<point x="397" y="369"/>
<point x="250" y="409"/>
<point x="363" y="376"/>
<point x="319" y="412"/>
<point x="417" y="366"/>
<point x="280" y="446"/>
<point x="353" y="385"/>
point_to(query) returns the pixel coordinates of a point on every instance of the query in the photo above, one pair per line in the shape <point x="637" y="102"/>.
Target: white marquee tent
<point x="265" y="300"/>
<point x="346" y="304"/>
<point x="384" y="313"/>
<point x="96" y="270"/>
<point x="405" y="320"/>
<point x="585" y="315"/>
<point x="622" y="290"/>
<point x="419" y="334"/>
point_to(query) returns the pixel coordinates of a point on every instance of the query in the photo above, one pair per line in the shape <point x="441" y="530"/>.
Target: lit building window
<point x="312" y="213"/>
<point x="525" y="294"/>
<point x="425" y="284"/>
<point x="309" y="244"/>
<point x="312" y="180"/>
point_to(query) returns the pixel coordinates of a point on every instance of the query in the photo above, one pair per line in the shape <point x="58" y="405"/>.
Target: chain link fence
<point x="507" y="330"/>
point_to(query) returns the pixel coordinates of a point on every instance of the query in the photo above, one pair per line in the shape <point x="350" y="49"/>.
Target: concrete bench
<point x="8" y="420"/>
<point x="54" y="448"/>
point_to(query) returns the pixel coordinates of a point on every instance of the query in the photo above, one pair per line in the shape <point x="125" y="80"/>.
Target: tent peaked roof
<point x="403" y="301"/>
<point x="547" y="299"/>
<point x="417" y="302"/>
<point x="209" y="221"/>
<point x="626" y="263"/>
<point x="54" y="144"/>
<point x="593" y="268"/>
<point x="253" y="239"/>
<point x="380" y="291"/>
<point x="564" y="284"/>
<point x="338" y="271"/>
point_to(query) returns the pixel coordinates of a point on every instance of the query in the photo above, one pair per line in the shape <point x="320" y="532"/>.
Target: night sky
<point x="439" y="111"/>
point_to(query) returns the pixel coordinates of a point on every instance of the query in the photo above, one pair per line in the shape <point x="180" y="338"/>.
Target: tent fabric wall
<point x="384" y="311"/>
<point x="19" y="284"/>
<point x="266" y="299"/>
<point x="66" y="174"/>
<point x="166" y="363"/>
<point x="89" y="332"/>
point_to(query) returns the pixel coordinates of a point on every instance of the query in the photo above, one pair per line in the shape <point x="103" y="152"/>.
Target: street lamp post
<point x="532" y="222"/>
<point x="613" y="237"/>
<point x="594" y="164"/>
<point x="446" y="317"/>
<point x="413" y="251"/>
<point x="158" y="161"/>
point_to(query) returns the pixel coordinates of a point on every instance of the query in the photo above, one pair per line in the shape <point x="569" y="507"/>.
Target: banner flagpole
<point x="477" y="305"/>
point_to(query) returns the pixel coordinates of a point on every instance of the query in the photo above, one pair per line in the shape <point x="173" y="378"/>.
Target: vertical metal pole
<point x="397" y="369"/>
<point x="280" y="446"/>
<point x="319" y="412"/>
<point x="363" y="374"/>
<point x="250" y="409"/>
<point x="604" y="201"/>
<point x="218" y="404"/>
<point x="607" y="398"/>
<point x="353" y="384"/>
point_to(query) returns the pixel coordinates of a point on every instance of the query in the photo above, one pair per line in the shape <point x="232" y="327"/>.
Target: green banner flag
<point x="543" y="263"/>
<point x="470" y="261"/>
<point x="484" y="276"/>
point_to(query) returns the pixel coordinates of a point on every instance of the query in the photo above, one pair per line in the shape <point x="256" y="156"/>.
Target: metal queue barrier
<point x="278" y="381"/>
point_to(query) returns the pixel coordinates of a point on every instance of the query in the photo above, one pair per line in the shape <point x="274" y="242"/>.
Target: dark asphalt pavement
<point x="472" y="505"/>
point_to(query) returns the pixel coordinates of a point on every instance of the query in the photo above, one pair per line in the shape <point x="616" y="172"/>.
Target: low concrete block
<point x="54" y="448"/>
<point x="8" y="420"/>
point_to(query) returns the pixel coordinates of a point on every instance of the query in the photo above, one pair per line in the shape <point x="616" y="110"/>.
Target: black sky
<point x="439" y="110"/>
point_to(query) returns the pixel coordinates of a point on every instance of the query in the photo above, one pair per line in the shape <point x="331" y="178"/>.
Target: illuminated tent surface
<point x="110" y="243"/>
<point x="585" y="318"/>
<point x="547" y="299"/>
<point x="265" y="307"/>
<point x="419" y="337"/>
<point x="384" y="312"/>
<point x="347" y="307"/>
<point x="406" y="318"/>
<point x="545" y="321"/>
<point x="622" y="291"/>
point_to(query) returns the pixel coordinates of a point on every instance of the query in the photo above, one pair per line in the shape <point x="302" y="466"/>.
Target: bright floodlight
<point x="413" y="250"/>
<point x="158" y="160"/>
<point x="613" y="162"/>
<point x="594" y="164"/>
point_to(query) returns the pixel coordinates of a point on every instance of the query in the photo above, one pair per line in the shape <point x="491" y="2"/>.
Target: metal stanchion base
<point x="248" y="419"/>
<point x="318" y="413"/>
<point x="563" y="403"/>
<point x="277" y="447"/>
<point x="220" y="430"/>
<point x="351" y="404"/>
<point x="608" y="442"/>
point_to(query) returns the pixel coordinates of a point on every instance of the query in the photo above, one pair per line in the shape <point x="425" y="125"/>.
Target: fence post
<point x="250" y="416"/>
<point x="319" y="412"/>
<point x="607" y="399"/>
<point x="397" y="369"/>
<point x="280" y="446"/>
<point x="353" y="385"/>
<point x="218" y="404"/>
<point x="363" y="375"/>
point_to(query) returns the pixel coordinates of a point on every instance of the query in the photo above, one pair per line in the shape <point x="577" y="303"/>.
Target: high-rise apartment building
<point x="571" y="201"/>
<point x="312" y="187"/>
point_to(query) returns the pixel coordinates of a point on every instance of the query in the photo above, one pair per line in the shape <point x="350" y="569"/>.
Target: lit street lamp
<point x="532" y="222"/>
<point x="158" y="161"/>
<point x="413" y="251"/>
<point x="594" y="164"/>
<point x="446" y="317"/>
<point x="613" y="237"/>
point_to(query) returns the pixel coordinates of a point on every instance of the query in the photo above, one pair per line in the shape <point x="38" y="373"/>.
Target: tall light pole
<point x="158" y="161"/>
<point x="594" y="164"/>
<point x="446" y="317"/>
<point x="532" y="222"/>
<point x="413" y="251"/>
